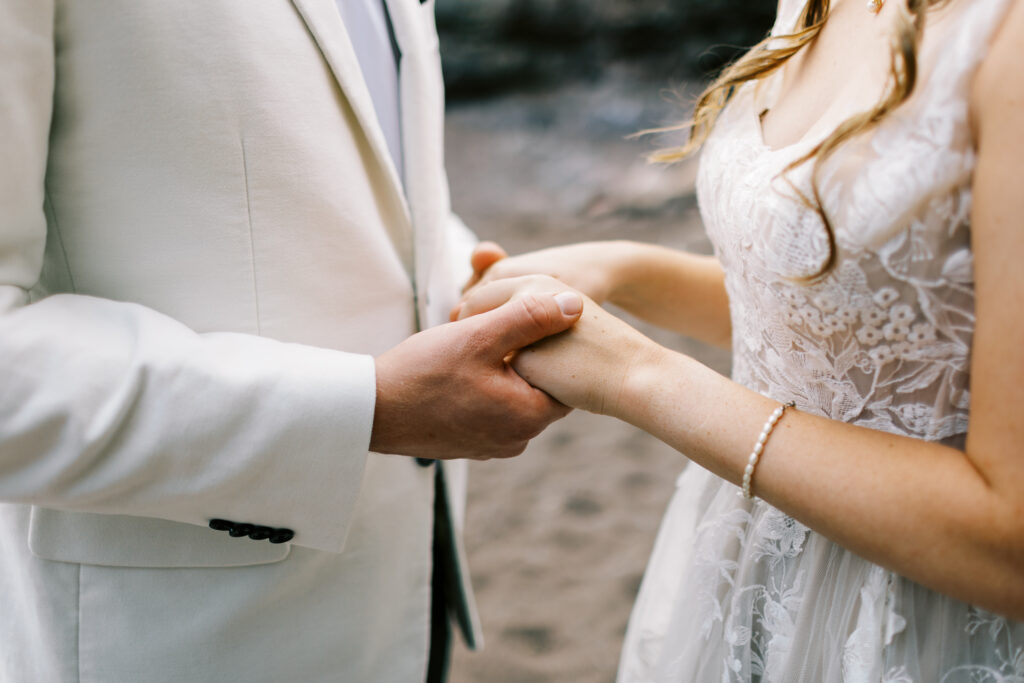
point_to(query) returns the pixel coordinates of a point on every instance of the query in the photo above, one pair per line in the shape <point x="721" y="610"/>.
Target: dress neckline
<point x="755" y="108"/>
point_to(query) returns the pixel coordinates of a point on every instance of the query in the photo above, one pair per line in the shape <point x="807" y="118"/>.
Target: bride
<point x="859" y="512"/>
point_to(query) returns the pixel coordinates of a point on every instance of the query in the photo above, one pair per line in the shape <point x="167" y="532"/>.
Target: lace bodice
<point x="884" y="340"/>
<point x="739" y="591"/>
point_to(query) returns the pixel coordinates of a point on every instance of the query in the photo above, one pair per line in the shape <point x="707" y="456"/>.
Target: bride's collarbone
<point x="842" y="72"/>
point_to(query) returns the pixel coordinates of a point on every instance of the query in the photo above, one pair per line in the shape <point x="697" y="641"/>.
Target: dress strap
<point x="787" y="16"/>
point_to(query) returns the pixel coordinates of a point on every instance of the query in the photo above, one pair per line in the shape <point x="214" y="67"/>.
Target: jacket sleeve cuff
<point x="322" y="403"/>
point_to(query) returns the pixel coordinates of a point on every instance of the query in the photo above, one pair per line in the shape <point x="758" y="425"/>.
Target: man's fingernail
<point x="569" y="302"/>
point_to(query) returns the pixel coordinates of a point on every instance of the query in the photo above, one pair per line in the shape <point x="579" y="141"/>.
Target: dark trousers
<point x="440" y="623"/>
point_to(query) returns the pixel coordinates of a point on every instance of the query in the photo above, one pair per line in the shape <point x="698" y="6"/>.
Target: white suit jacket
<point x="203" y="241"/>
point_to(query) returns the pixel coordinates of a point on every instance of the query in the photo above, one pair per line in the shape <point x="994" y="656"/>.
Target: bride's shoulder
<point x="1003" y="46"/>
<point x="963" y="23"/>
<point x="959" y="36"/>
<point x="997" y="85"/>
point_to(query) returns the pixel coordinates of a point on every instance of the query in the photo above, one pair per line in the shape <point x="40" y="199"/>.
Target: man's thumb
<point x="530" y="318"/>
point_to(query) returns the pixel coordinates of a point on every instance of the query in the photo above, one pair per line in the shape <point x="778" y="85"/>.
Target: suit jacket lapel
<point x="422" y="130"/>
<point x="427" y="190"/>
<point x="324" y="24"/>
<point x="425" y="186"/>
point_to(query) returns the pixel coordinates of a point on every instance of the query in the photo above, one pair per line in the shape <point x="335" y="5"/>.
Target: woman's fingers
<point x="484" y="256"/>
<point x="490" y="295"/>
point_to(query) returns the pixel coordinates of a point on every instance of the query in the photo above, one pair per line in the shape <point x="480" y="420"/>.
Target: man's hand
<point x="588" y="366"/>
<point x="594" y="268"/>
<point x="448" y="392"/>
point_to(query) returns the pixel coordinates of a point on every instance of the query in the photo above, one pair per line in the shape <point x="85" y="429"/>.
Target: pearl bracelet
<point x="755" y="455"/>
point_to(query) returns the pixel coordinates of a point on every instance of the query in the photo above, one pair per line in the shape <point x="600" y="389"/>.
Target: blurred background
<point x="542" y="98"/>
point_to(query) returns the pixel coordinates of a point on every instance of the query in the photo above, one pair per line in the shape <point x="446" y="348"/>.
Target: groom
<point x="222" y="225"/>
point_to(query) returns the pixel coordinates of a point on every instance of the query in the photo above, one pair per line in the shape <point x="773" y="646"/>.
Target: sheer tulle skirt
<point x="738" y="591"/>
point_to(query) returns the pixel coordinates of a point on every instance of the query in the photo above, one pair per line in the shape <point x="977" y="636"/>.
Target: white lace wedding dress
<point x="741" y="592"/>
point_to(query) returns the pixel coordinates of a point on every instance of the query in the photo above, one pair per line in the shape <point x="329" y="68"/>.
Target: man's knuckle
<point x="534" y="432"/>
<point x="523" y="432"/>
<point x="515" y="449"/>
<point x="539" y="315"/>
<point x="528" y="426"/>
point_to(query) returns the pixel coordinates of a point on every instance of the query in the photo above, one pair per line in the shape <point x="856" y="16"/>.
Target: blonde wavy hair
<point x="770" y="54"/>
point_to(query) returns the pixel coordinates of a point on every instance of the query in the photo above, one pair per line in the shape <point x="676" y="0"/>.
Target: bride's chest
<point x="895" y="200"/>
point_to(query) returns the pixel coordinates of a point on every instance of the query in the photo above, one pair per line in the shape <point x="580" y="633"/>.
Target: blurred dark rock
<point x="495" y="46"/>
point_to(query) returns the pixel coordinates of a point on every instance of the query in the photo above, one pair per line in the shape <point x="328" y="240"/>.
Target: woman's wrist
<point x="622" y="268"/>
<point x="645" y="377"/>
<point x="637" y="272"/>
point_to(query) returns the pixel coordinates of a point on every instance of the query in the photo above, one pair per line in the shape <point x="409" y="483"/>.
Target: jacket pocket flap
<point x="121" y="541"/>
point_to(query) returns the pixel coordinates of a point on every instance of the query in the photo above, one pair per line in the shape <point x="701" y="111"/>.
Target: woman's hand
<point x="586" y="367"/>
<point x="588" y="267"/>
<point x="672" y="289"/>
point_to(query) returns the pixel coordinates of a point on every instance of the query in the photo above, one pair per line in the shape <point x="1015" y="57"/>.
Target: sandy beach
<point x="558" y="538"/>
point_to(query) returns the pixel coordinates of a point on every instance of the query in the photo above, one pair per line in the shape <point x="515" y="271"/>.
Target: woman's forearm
<point x="672" y="289"/>
<point x="921" y="509"/>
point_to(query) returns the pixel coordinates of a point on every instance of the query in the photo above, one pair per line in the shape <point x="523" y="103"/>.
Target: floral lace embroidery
<point x="883" y="341"/>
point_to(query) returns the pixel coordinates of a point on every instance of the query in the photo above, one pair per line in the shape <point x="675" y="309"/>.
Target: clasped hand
<point x="448" y="392"/>
<point x="590" y="365"/>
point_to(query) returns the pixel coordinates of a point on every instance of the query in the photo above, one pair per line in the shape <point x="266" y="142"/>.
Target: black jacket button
<point x="425" y="462"/>
<point x="222" y="524"/>
<point x="240" y="530"/>
<point x="260" y="533"/>
<point x="281" y="535"/>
